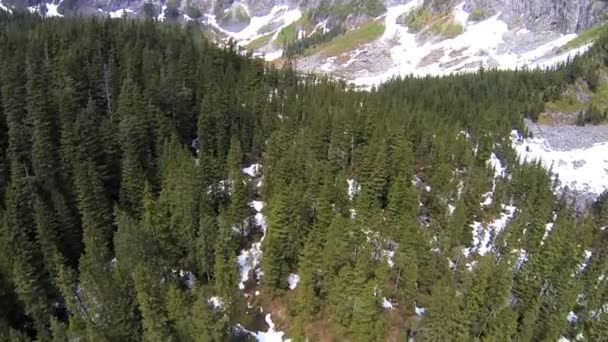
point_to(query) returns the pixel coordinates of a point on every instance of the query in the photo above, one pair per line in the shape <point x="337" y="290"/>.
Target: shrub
<point x="477" y="14"/>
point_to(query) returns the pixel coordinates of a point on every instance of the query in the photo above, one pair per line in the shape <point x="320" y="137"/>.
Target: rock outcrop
<point x="564" y="16"/>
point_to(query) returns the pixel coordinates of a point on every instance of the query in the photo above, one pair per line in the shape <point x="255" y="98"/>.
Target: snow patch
<point x="583" y="169"/>
<point x="4" y="8"/>
<point x="122" y="12"/>
<point x="271" y="335"/>
<point x="216" y="302"/>
<point x="249" y="259"/>
<point x="586" y="258"/>
<point x="274" y="55"/>
<point x="353" y="188"/>
<point x="52" y="10"/>
<point x="293" y="280"/>
<point x="387" y="304"/>
<point x="161" y="16"/>
<point x="481" y="43"/>
<point x="420" y="311"/>
<point x="483" y="237"/>
<point x="252" y="170"/>
<point x="252" y="31"/>
<point x="389" y="257"/>
<point x="495" y="164"/>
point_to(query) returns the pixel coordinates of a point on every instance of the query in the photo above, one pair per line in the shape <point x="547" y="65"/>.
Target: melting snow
<point x="586" y="258"/>
<point x="293" y="280"/>
<point x="572" y="317"/>
<point x="548" y="229"/>
<point x="122" y="12"/>
<point x="495" y="164"/>
<point x="387" y="304"/>
<point x="389" y="257"/>
<point x="483" y="237"/>
<point x="353" y="188"/>
<point x="253" y="170"/>
<point x="161" y="16"/>
<point x="252" y="31"/>
<point x="216" y="302"/>
<point x="271" y="335"/>
<point x="52" y="10"/>
<point x="583" y="169"/>
<point x="479" y="44"/>
<point x="249" y="259"/>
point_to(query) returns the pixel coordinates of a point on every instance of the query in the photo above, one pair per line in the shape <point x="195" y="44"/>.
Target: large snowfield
<point x="583" y="169"/>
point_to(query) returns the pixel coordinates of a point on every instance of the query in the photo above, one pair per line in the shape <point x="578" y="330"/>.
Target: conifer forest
<point x="157" y="187"/>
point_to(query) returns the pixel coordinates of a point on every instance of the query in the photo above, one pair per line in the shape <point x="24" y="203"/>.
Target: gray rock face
<point x="565" y="16"/>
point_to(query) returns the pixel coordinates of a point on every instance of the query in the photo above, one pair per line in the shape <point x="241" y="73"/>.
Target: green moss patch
<point x="351" y="39"/>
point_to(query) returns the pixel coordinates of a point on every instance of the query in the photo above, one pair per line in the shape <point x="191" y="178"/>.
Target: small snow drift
<point x="353" y="188"/>
<point x="4" y="8"/>
<point x="252" y="170"/>
<point x="120" y="13"/>
<point x="216" y="302"/>
<point x="293" y="280"/>
<point x="271" y="335"/>
<point x="483" y="237"/>
<point x="387" y="304"/>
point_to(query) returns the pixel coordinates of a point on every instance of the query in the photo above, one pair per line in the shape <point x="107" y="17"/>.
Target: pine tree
<point x="278" y="243"/>
<point x="443" y="320"/>
<point x="149" y="298"/>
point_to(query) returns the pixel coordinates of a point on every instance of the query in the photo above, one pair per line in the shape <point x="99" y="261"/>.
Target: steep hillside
<point x="391" y="37"/>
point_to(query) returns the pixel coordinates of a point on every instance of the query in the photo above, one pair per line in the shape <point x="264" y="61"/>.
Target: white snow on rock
<point x="480" y="44"/>
<point x="161" y="16"/>
<point x="249" y="259"/>
<point x="293" y="280"/>
<point x="483" y="236"/>
<point x="420" y="311"/>
<point x="586" y="258"/>
<point x="52" y="10"/>
<point x="387" y="304"/>
<point x="353" y="188"/>
<point x="257" y="205"/>
<point x="216" y="302"/>
<point x="187" y="278"/>
<point x="252" y="170"/>
<point x="122" y="12"/>
<point x="583" y="169"/>
<point x="271" y="335"/>
<point x="495" y="164"/>
<point x="280" y="14"/>
<point x="271" y="56"/>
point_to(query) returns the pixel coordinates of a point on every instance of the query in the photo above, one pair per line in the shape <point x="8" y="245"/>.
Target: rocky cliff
<point x="565" y="16"/>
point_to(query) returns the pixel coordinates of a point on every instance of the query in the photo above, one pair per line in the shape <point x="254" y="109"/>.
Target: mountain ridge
<point x="370" y="41"/>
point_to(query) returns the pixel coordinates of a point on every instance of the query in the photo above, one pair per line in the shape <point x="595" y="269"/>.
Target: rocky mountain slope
<point x="369" y="41"/>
